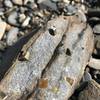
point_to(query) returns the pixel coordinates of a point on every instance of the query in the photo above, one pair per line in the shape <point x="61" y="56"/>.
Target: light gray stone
<point x="26" y="21"/>
<point x="96" y="29"/>
<point x="8" y="3"/>
<point x="47" y="3"/>
<point x="12" y="18"/>
<point x="19" y="2"/>
<point x="12" y="36"/>
<point x="2" y="28"/>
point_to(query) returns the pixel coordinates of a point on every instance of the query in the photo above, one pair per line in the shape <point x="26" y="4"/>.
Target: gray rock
<point x="56" y="0"/>
<point x="48" y="3"/>
<point x="22" y="17"/>
<point x="94" y="63"/>
<point x="2" y="46"/>
<point x="70" y="9"/>
<point x="8" y="3"/>
<point x="96" y="29"/>
<point x="12" y="18"/>
<point x="91" y="92"/>
<point x="19" y="2"/>
<point x="25" y="74"/>
<point x="12" y="36"/>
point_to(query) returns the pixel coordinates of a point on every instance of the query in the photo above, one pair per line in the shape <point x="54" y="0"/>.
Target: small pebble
<point x="47" y="3"/>
<point x="2" y="28"/>
<point x="87" y="77"/>
<point x="12" y="18"/>
<point x="70" y="10"/>
<point x="18" y="2"/>
<point x="66" y="1"/>
<point x="96" y="29"/>
<point x="2" y="46"/>
<point x="12" y="36"/>
<point x="26" y="21"/>
<point x="82" y="16"/>
<point x="8" y="3"/>
<point x="22" y="17"/>
<point x="27" y="55"/>
<point x="8" y="27"/>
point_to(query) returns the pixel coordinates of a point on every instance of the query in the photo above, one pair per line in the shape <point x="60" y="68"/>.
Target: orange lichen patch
<point x="43" y="83"/>
<point x="69" y="80"/>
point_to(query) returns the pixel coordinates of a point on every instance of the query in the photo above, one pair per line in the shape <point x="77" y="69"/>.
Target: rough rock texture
<point x="94" y="63"/>
<point x="65" y="71"/>
<point x="24" y="76"/>
<point x="91" y="92"/>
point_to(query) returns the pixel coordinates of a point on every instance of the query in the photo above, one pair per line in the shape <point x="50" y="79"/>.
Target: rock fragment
<point x="70" y="10"/>
<point x="12" y="36"/>
<point x="91" y="92"/>
<point x="2" y="28"/>
<point x="47" y="3"/>
<point x="94" y="63"/>
<point x="65" y="71"/>
<point x="96" y="29"/>
<point x="24" y="75"/>
<point x="22" y="17"/>
<point x="26" y="21"/>
<point x="8" y="3"/>
<point x="12" y="18"/>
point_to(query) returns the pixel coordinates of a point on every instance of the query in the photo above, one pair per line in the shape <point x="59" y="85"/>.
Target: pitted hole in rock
<point x="82" y="48"/>
<point x="52" y="30"/>
<point x="21" y="56"/>
<point x="68" y="52"/>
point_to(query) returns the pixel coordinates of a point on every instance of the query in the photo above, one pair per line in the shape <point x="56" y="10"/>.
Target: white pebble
<point x="22" y="17"/>
<point x="8" y="3"/>
<point x="26" y="22"/>
<point x="66" y="1"/>
<point x="96" y="29"/>
<point x="12" y="36"/>
<point x="19" y="2"/>
<point x="2" y="28"/>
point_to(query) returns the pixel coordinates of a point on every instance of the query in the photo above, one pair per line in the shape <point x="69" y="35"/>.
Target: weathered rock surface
<point x="12" y="36"/>
<point x="24" y="76"/>
<point x="19" y="2"/>
<point x="96" y="29"/>
<point x="65" y="71"/>
<point x="91" y="92"/>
